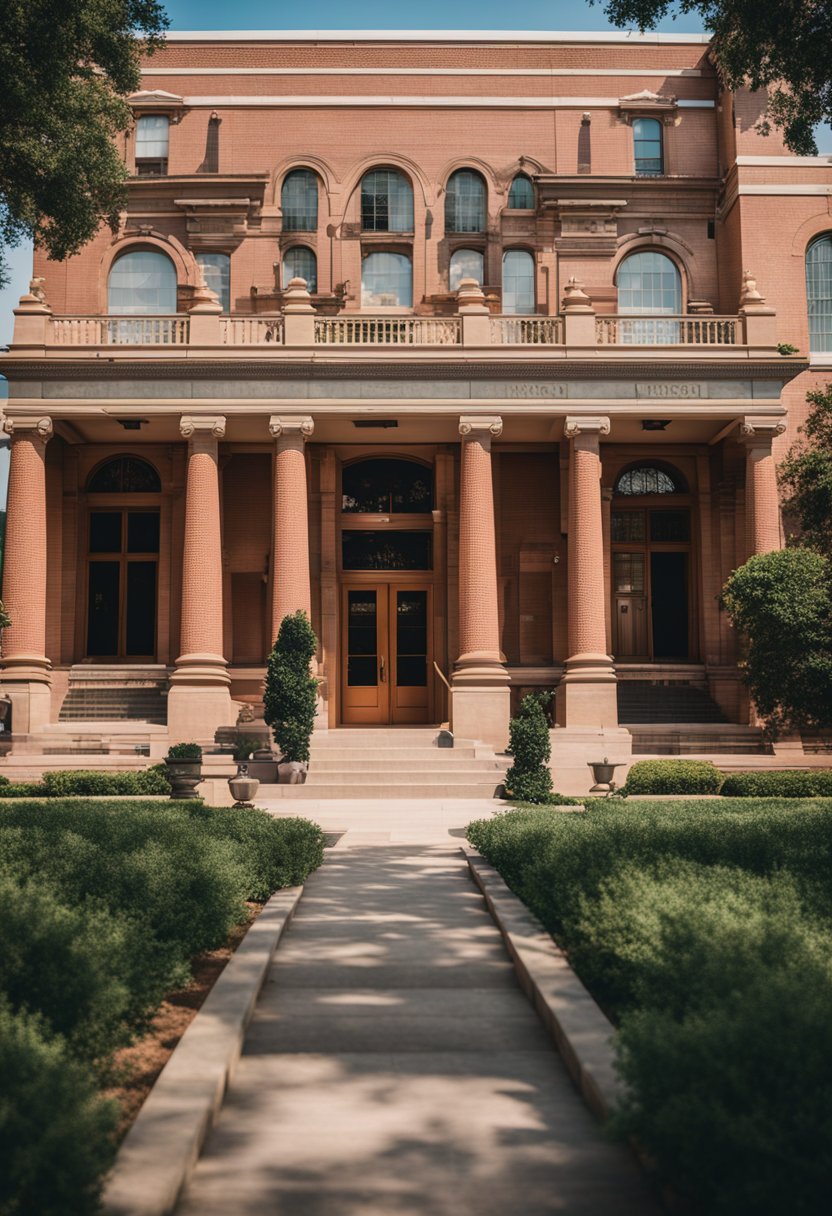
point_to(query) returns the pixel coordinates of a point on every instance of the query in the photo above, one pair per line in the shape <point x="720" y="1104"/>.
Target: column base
<point x="574" y="748"/>
<point x="25" y="681"/>
<point x="480" y="700"/>
<point x="586" y="695"/>
<point x="199" y="699"/>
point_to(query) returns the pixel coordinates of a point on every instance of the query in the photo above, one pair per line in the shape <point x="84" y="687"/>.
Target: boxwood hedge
<point x="673" y="777"/>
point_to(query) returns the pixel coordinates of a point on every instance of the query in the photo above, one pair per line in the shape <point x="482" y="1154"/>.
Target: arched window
<point x="521" y="193"/>
<point x="300" y="263"/>
<point x="152" y="138"/>
<point x="518" y="282"/>
<point x="386" y="281"/>
<point x="465" y="264"/>
<point x="124" y="475"/>
<point x="647" y="147"/>
<point x="216" y="270"/>
<point x="142" y="284"/>
<point x="386" y="202"/>
<point x="649" y="283"/>
<point x="381" y="486"/>
<point x="648" y="479"/>
<point x="819" y="293"/>
<point x="299" y="201"/>
<point x="465" y="202"/>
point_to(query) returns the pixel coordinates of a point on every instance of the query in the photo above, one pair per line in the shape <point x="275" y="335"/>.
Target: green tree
<point x="782" y="603"/>
<point x="66" y="66"/>
<point x="806" y="474"/>
<point x="782" y="46"/>
<point x="291" y="690"/>
<point x="529" y="778"/>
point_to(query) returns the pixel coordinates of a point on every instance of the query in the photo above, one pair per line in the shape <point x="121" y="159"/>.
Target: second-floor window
<point x="216" y="270"/>
<point x="521" y="194"/>
<point x="465" y="202"/>
<point x="142" y="283"/>
<point x="300" y="263"/>
<point x="647" y="147"/>
<point x="386" y="281"/>
<point x="465" y="264"/>
<point x="819" y="294"/>
<point x="649" y="283"/>
<point x="386" y="202"/>
<point x="152" y="138"/>
<point x="518" y="282"/>
<point x="299" y="201"/>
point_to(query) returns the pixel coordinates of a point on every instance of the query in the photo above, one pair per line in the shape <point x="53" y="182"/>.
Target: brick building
<point x="467" y="344"/>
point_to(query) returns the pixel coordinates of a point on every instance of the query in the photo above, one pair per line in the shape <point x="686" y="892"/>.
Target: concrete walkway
<point x="394" y="1068"/>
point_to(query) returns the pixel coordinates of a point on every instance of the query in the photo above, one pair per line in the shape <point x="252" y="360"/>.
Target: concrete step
<point x="404" y="777"/>
<point x="374" y="737"/>
<point x="385" y="763"/>
<point x="404" y="755"/>
<point x="391" y="790"/>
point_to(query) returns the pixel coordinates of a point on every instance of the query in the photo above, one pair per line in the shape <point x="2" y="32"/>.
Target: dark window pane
<point x="628" y="526"/>
<point x="381" y="486"/>
<point x="102" y="612"/>
<point x="125" y="475"/>
<point x="362" y="673"/>
<point x="669" y="525"/>
<point x="412" y="638"/>
<point x="411" y="671"/>
<point x="386" y="550"/>
<point x="141" y="608"/>
<point x="143" y="532"/>
<point x="646" y="480"/>
<point x="105" y="532"/>
<point x="362" y="618"/>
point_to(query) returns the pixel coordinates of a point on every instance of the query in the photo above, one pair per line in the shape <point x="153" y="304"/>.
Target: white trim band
<point x="468" y="37"/>
<point x="398" y="71"/>
<point x="295" y="101"/>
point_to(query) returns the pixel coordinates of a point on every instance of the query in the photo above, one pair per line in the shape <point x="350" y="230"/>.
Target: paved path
<point x="394" y="1068"/>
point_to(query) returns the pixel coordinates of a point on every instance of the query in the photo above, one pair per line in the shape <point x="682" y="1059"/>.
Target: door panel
<point x="410" y="631"/>
<point x="669" y="604"/>
<point x="630" y="603"/>
<point x="104" y="609"/>
<point x="387" y="655"/>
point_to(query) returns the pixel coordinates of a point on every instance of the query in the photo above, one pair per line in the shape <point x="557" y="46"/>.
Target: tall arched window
<point x="152" y="139"/>
<point x="819" y="293"/>
<point x="465" y="264"/>
<point x="465" y="202"/>
<point x="142" y="283"/>
<point x="649" y="284"/>
<point x="386" y="281"/>
<point x="521" y="193"/>
<point x="216" y="270"/>
<point x="299" y="201"/>
<point x="300" y="263"/>
<point x="647" y="147"/>
<point x="649" y="479"/>
<point x="386" y="202"/>
<point x="518" y="282"/>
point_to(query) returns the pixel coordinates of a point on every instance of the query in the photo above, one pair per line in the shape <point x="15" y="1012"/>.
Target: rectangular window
<point x="386" y="550"/>
<point x="152" y="138"/>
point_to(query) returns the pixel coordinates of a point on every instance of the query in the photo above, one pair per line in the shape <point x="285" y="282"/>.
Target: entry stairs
<point x="395" y="762"/>
<point x="677" y="718"/>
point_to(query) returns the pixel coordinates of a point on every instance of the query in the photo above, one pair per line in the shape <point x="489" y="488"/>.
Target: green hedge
<point x="65" y="783"/>
<point x="673" y="777"/>
<point x="791" y="783"/>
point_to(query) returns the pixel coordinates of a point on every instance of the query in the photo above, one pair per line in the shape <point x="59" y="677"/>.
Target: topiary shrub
<point x="529" y="778"/>
<point x="793" y="783"/>
<point x="185" y="751"/>
<point x="22" y="789"/>
<point x="56" y="1133"/>
<point x="85" y="783"/>
<point x="291" y="690"/>
<point x="673" y="777"/>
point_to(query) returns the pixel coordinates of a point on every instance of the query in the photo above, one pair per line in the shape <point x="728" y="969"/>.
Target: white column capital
<point x="208" y="425"/>
<point x="758" y="430"/>
<point x="576" y="425"/>
<point x="289" y="426"/>
<point x="29" y="428"/>
<point x="481" y="426"/>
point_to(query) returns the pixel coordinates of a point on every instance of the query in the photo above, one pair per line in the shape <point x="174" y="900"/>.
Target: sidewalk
<point x="394" y="1068"/>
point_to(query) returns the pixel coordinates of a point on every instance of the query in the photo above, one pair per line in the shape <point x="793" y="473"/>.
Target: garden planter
<point x="184" y="777"/>
<point x="243" y="788"/>
<point x="603" y="774"/>
<point x="292" y="772"/>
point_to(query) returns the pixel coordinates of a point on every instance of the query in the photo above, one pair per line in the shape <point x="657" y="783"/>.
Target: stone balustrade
<point x="705" y="330"/>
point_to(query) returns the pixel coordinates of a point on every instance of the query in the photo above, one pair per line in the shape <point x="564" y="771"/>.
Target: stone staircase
<point x="647" y="701"/>
<point x="395" y="763"/>
<point x="116" y="694"/>
<point x="676" y="718"/>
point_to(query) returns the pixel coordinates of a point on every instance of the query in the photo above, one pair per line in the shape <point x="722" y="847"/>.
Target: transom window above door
<point x="382" y="486"/>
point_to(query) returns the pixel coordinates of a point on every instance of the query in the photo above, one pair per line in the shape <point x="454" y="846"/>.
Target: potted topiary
<point x="291" y="695"/>
<point x="184" y="765"/>
<point x="529" y="778"/>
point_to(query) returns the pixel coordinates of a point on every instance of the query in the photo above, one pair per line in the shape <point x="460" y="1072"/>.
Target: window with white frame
<point x="518" y="282"/>
<point x="386" y="202"/>
<point x="465" y="202"/>
<point x="649" y="285"/>
<point x="216" y="270"/>
<point x="142" y="283"/>
<point x="152" y="140"/>
<point x="300" y="263"/>
<point x="819" y="293"/>
<point x="521" y="193"/>
<point x="386" y="280"/>
<point x="465" y="264"/>
<point x="299" y="201"/>
<point x="647" y="147"/>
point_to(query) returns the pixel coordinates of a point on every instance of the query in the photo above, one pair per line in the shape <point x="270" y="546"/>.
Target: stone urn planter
<point x="603" y="774"/>
<point x="292" y="772"/>
<point x="184" y="777"/>
<point x="243" y="788"/>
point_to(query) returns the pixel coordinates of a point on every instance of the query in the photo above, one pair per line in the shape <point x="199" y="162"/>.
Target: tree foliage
<point x="291" y="690"/>
<point x="529" y="778"/>
<point x="783" y="47"/>
<point x="66" y="66"/>
<point x="782" y="603"/>
<point x="806" y="475"/>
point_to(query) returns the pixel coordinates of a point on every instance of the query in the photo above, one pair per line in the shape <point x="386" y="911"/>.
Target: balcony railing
<point x="668" y="331"/>
<point x="526" y="331"/>
<point x="388" y="331"/>
<point x="251" y="331"/>
<point x="120" y="331"/>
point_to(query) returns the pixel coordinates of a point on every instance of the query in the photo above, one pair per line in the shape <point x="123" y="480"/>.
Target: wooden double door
<point x="386" y="654"/>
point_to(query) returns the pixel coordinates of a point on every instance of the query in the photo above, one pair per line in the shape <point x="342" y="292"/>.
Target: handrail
<point x="441" y="675"/>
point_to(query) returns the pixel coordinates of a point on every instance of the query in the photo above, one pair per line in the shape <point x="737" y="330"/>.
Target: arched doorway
<point x="123" y="529"/>
<point x="650" y="554"/>
<point x="386" y="570"/>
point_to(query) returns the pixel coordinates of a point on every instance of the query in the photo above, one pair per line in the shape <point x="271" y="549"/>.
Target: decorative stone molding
<point x="758" y="430"/>
<point x="211" y="425"/>
<point x="647" y="104"/>
<point x="292" y="425"/>
<point x="29" y="428"/>
<point x="296" y="297"/>
<point x="575" y="298"/>
<point x="481" y="426"/>
<point x="576" y="425"/>
<point x="470" y="297"/>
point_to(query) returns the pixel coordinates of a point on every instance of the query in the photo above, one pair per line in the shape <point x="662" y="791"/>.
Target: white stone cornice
<point x="576" y="424"/>
<point x="480" y="425"/>
<point x="209" y="425"/>
<point x="29" y="428"/>
<point x="302" y="425"/>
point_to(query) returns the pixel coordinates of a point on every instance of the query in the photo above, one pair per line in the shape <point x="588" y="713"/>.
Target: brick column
<point x="199" y="700"/>
<point x="290" y="519"/>
<point x="25" y="679"/>
<point x="762" y="501"/>
<point x="480" y="699"/>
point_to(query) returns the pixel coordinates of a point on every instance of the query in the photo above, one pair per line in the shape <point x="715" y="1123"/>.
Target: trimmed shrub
<point x="529" y="778"/>
<point x="56" y="1133"/>
<point x="792" y="783"/>
<point x="291" y="691"/>
<point x="22" y="789"/>
<point x="275" y="853"/>
<point x="86" y="783"/>
<point x="185" y="751"/>
<point x="673" y="777"/>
